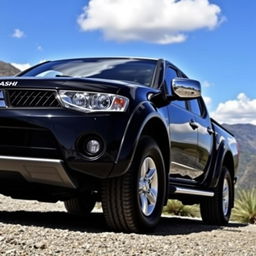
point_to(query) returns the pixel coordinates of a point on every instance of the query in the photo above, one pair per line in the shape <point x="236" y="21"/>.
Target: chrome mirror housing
<point x="186" y="88"/>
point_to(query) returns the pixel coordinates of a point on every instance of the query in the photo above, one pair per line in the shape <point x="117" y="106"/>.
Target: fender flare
<point x="140" y="117"/>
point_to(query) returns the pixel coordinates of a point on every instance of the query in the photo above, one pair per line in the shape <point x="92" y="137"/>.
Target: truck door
<point x="183" y="134"/>
<point x="184" y="152"/>
<point x="205" y="134"/>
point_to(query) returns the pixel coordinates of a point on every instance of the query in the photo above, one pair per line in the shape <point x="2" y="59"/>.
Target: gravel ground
<point x="32" y="228"/>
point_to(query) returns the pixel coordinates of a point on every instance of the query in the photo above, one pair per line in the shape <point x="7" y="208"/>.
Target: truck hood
<point x="67" y="83"/>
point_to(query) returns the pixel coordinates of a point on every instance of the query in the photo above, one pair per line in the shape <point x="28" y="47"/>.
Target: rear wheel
<point x="82" y="205"/>
<point x="134" y="201"/>
<point x="217" y="210"/>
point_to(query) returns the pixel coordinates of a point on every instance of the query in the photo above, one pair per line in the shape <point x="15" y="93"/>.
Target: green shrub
<point x="175" y="207"/>
<point x="245" y="207"/>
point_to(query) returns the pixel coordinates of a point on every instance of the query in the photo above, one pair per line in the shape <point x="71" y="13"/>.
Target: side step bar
<point x="39" y="170"/>
<point x="189" y="191"/>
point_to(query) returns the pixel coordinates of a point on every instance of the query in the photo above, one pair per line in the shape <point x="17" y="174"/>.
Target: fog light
<point x="93" y="147"/>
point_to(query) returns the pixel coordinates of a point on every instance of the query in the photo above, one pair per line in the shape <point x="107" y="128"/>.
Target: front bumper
<point x="54" y="134"/>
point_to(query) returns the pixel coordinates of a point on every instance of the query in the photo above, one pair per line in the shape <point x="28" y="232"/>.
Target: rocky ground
<point x="32" y="228"/>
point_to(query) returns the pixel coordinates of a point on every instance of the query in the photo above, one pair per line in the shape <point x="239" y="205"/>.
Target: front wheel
<point x="134" y="201"/>
<point x="217" y="210"/>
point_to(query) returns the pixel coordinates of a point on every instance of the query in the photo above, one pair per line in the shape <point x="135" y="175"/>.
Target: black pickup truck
<point x="128" y="132"/>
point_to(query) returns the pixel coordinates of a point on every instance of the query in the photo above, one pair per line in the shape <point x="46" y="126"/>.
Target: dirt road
<point x="32" y="228"/>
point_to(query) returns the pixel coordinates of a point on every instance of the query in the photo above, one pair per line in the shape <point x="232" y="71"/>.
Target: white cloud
<point x="161" y="21"/>
<point x="17" y="33"/>
<point x="240" y="110"/>
<point x="21" y="66"/>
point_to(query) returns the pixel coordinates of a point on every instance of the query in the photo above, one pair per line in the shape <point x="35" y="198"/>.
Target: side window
<point x="181" y="74"/>
<point x="170" y="74"/>
<point x="195" y="107"/>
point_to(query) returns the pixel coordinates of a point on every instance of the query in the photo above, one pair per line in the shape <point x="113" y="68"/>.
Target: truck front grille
<point x="33" y="99"/>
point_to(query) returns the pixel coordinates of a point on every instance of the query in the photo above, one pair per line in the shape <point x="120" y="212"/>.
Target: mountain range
<point x="244" y="133"/>
<point x="246" y="137"/>
<point x="7" y="69"/>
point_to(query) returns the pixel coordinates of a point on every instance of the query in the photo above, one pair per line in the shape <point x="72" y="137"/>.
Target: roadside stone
<point x="40" y="245"/>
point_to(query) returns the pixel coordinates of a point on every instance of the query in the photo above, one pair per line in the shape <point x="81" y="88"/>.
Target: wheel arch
<point x="161" y="138"/>
<point x="223" y="157"/>
<point x="144" y="121"/>
<point x="149" y="127"/>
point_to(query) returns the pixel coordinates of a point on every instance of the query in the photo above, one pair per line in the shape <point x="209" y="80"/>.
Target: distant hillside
<point x="246" y="137"/>
<point x="7" y="69"/>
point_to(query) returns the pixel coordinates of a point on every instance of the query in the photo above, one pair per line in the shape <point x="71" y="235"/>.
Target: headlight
<point x="93" y="101"/>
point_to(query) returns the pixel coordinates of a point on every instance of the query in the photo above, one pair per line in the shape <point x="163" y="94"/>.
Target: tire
<point x="217" y="210"/>
<point x="134" y="201"/>
<point x="80" y="205"/>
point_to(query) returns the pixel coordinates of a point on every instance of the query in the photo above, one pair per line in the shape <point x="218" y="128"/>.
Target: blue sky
<point x="221" y="54"/>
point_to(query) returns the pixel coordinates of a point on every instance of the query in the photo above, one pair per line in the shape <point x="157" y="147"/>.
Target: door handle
<point x="193" y="124"/>
<point x="210" y="130"/>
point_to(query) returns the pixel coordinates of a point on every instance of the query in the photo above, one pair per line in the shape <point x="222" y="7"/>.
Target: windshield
<point x="132" y="70"/>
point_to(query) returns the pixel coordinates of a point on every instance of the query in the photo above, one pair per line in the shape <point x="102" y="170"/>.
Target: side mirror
<point x="185" y="88"/>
